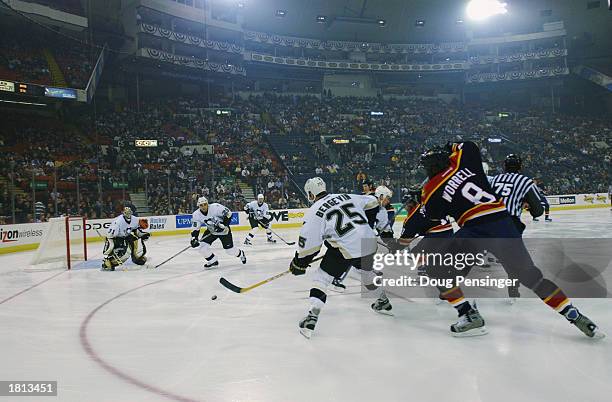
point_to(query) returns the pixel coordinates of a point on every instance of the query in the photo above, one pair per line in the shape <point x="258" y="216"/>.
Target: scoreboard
<point x="24" y="88"/>
<point x="29" y="89"/>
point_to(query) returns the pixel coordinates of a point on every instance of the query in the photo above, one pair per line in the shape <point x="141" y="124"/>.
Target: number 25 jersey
<point x="341" y="220"/>
<point x="461" y="190"/>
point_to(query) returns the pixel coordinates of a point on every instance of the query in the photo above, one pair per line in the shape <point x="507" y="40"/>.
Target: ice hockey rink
<point x="156" y="335"/>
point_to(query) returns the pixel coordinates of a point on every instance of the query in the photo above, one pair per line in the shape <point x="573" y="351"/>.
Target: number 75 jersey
<point x="341" y="220"/>
<point x="462" y="190"/>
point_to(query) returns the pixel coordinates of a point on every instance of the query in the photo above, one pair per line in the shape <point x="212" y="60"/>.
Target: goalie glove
<point x="139" y="234"/>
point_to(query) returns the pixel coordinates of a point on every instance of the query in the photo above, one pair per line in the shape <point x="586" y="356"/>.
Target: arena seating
<point x="271" y="144"/>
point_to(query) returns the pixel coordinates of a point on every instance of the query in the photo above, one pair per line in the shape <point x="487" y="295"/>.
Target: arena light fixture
<point x="479" y="10"/>
<point x="381" y="22"/>
<point x="281" y="13"/>
<point x="321" y="19"/>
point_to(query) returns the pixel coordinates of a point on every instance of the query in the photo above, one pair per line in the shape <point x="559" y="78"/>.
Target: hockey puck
<point x="214" y="297"/>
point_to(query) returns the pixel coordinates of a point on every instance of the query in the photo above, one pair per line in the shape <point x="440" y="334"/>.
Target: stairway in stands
<point x="6" y="183"/>
<point x="247" y="190"/>
<point x="140" y="202"/>
<point x="56" y="73"/>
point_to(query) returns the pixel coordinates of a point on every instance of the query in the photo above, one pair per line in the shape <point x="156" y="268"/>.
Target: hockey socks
<point x="455" y="297"/>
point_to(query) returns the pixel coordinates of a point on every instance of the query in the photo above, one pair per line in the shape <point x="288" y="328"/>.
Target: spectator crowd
<point x="269" y="144"/>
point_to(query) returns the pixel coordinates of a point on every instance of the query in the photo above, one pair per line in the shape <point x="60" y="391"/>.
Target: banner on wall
<point x="27" y="236"/>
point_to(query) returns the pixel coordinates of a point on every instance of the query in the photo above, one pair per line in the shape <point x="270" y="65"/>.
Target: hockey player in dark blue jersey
<point x="458" y="187"/>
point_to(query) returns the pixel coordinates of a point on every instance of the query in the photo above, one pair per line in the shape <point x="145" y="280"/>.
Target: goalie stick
<point x="238" y="289"/>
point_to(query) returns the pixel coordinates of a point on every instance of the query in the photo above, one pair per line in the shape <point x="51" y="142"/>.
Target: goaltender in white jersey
<point x="125" y="233"/>
<point x="344" y="223"/>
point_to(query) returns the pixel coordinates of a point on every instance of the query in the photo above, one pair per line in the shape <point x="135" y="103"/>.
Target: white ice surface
<point x="156" y="335"/>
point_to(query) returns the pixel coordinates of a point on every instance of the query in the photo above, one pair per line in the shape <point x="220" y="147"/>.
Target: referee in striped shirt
<point x="516" y="190"/>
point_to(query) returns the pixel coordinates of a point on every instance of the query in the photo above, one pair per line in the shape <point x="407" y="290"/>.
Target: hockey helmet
<point x="202" y="201"/>
<point x="513" y="163"/>
<point x="260" y="198"/>
<point x="384" y="192"/>
<point x="435" y="160"/>
<point x="314" y="187"/>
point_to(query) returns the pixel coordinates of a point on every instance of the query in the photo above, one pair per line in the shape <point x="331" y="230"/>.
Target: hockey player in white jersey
<point x="343" y="222"/>
<point x="384" y="226"/>
<point x="259" y="218"/>
<point x="215" y="219"/>
<point x="125" y="232"/>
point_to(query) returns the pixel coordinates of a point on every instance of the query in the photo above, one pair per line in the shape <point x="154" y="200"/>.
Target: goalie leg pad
<point x="109" y="246"/>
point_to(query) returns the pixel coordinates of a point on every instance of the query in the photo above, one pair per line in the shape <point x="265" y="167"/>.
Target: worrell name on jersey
<point x="344" y="222"/>
<point x="461" y="190"/>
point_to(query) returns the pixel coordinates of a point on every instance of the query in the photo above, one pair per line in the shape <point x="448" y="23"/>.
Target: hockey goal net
<point x="64" y="243"/>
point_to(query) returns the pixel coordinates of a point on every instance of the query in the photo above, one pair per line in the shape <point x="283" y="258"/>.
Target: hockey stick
<point x="238" y="289"/>
<point x="175" y="255"/>
<point x="289" y="243"/>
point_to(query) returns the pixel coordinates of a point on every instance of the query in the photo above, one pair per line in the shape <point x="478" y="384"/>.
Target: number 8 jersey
<point x="462" y="190"/>
<point x="343" y="221"/>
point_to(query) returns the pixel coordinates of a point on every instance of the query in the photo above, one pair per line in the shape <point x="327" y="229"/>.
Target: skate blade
<point x="384" y="312"/>
<point x="598" y="334"/>
<point x="337" y="290"/>
<point x="512" y="301"/>
<point x="472" y="332"/>
<point x="306" y="333"/>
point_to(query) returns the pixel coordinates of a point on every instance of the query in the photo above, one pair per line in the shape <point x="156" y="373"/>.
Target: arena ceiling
<point x="439" y="16"/>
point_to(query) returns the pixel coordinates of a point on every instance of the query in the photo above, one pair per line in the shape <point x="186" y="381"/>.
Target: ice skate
<point x="308" y="323"/>
<point x="209" y="265"/>
<point x="271" y="240"/>
<point x="242" y="257"/>
<point x="513" y="294"/>
<point x="583" y="323"/>
<point x="382" y="305"/>
<point x="337" y="286"/>
<point x="469" y="324"/>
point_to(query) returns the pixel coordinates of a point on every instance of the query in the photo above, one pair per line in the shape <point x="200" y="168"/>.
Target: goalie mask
<point x="127" y="213"/>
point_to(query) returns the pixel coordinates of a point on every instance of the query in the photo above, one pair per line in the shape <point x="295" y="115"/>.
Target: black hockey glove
<point x="298" y="267"/>
<point x="145" y="236"/>
<point x="393" y="245"/>
<point x="194" y="242"/>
